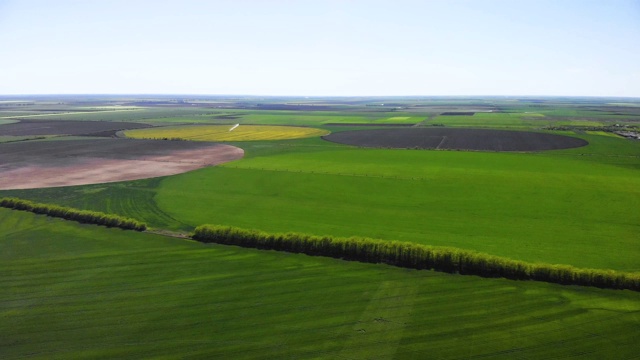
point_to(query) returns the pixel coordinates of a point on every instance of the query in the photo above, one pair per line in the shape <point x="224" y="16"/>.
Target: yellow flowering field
<point x="225" y="132"/>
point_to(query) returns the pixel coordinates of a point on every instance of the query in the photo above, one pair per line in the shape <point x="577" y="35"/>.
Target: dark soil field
<point x="455" y="139"/>
<point x="66" y="127"/>
<point x="34" y="164"/>
<point x="458" y="113"/>
<point x="369" y="124"/>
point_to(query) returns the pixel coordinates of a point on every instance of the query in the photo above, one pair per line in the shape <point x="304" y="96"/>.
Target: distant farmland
<point x="456" y="139"/>
<point x="226" y="133"/>
<point x="547" y="181"/>
<point x="63" y="127"/>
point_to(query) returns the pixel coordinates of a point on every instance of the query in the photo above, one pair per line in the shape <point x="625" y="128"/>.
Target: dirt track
<point x="36" y="164"/>
<point x="454" y="139"/>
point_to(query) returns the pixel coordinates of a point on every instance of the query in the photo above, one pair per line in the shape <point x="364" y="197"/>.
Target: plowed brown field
<point x="452" y="139"/>
<point x="35" y="164"/>
<point x="65" y="127"/>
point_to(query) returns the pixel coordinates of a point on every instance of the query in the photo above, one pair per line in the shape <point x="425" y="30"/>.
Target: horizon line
<point x="320" y="96"/>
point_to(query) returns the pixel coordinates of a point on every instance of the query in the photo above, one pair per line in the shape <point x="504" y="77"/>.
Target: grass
<point x="549" y="222"/>
<point x="82" y="216"/>
<point x="473" y="121"/>
<point x="71" y="290"/>
<point x="132" y="199"/>
<point x="226" y="133"/>
<point x="522" y="120"/>
<point x="308" y="118"/>
<point x="493" y="120"/>
<point x="290" y="117"/>
<point x="603" y="133"/>
<point x="562" y="207"/>
<point x="555" y="207"/>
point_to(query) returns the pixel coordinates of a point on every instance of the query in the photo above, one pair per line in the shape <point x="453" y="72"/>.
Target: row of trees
<point x="417" y="256"/>
<point x="83" y="216"/>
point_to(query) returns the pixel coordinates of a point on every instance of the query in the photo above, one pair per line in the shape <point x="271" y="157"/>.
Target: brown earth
<point x="66" y="127"/>
<point x="36" y="164"/>
<point x="458" y="113"/>
<point x="456" y="139"/>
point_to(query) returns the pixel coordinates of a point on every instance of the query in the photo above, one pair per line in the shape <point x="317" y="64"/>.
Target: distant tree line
<point x="83" y="216"/>
<point x="417" y="256"/>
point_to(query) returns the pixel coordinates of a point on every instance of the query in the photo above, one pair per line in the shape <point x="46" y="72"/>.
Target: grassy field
<point x="88" y="291"/>
<point x="548" y="221"/>
<point x="562" y="207"/>
<point x="134" y="198"/>
<point x="71" y="290"/>
<point x="492" y="120"/>
<point x="603" y="133"/>
<point x="226" y="133"/>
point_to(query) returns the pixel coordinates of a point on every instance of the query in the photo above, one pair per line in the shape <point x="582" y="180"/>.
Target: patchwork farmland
<point x="558" y="187"/>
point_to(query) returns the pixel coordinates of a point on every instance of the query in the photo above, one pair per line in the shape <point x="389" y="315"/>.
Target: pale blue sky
<point x="482" y="47"/>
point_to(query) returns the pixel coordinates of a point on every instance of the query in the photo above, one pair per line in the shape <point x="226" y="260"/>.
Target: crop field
<point x="48" y="127"/>
<point x="35" y="164"/>
<point x="493" y="120"/>
<point x="603" y="133"/>
<point x="139" y="114"/>
<point x="456" y="139"/>
<point x="437" y="205"/>
<point x="226" y="133"/>
<point x="122" y="294"/>
<point x="446" y="198"/>
<point x="112" y="293"/>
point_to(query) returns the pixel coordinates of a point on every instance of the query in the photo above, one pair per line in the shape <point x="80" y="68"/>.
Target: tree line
<point x="83" y="216"/>
<point x="417" y="256"/>
<point x="397" y="253"/>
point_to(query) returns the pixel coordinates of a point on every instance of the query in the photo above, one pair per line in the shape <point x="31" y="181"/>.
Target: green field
<point x="458" y="199"/>
<point x="493" y="120"/>
<point x="92" y="292"/>
<point x="556" y="207"/>
<point x="72" y="290"/>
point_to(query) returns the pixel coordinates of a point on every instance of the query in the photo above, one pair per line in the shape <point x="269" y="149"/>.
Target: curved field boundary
<point x="226" y="132"/>
<point x="82" y="216"/>
<point x="38" y="164"/>
<point x="417" y="256"/>
<point x="456" y="139"/>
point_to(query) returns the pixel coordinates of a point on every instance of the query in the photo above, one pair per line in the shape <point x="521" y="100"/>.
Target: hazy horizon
<point x="425" y="96"/>
<point x="321" y="49"/>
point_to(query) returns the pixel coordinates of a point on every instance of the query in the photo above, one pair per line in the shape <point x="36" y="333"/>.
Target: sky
<point x="321" y="47"/>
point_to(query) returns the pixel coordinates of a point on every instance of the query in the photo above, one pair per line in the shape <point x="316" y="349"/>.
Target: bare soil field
<point x="36" y="164"/>
<point x="370" y="124"/>
<point x="66" y="127"/>
<point x="456" y="139"/>
<point x="458" y="113"/>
